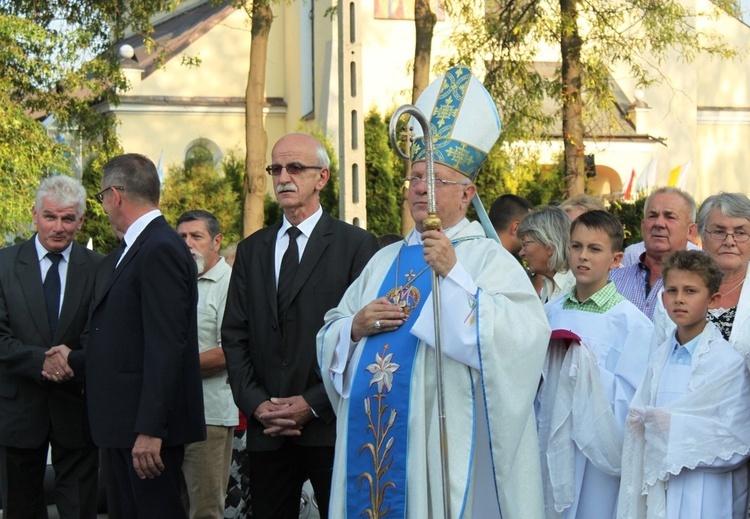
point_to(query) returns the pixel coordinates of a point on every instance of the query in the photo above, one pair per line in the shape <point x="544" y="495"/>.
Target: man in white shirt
<point x="207" y="463"/>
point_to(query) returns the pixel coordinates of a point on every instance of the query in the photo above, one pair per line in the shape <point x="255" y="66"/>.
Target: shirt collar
<point x="689" y="346"/>
<point x="600" y="298"/>
<point x="137" y="227"/>
<point x="41" y="252"/>
<point x="306" y="226"/>
<point x="214" y="273"/>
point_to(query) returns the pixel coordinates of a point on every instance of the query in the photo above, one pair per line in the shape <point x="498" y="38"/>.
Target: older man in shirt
<point x="207" y="463"/>
<point x="668" y="224"/>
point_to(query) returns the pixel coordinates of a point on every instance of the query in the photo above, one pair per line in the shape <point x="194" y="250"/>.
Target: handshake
<point x="55" y="367"/>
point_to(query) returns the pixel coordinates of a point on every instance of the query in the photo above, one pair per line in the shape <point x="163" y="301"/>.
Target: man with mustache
<point x="285" y="278"/>
<point x="207" y="463"/>
<point x="668" y="224"/>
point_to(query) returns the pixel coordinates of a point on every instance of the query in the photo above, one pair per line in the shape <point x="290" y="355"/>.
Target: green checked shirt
<point x="606" y="298"/>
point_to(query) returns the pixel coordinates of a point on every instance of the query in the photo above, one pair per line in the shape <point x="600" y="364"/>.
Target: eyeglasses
<point x="100" y="195"/>
<point x="526" y="243"/>
<point x="721" y="235"/>
<point x="293" y="168"/>
<point x="414" y="181"/>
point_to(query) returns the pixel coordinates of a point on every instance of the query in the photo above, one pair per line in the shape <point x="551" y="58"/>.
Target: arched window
<point x="203" y="150"/>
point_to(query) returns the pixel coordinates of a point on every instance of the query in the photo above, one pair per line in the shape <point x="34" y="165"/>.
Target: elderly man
<point x="46" y="285"/>
<point x="668" y="224"/>
<point x="143" y="383"/>
<point x="379" y="364"/>
<point x="207" y="463"/>
<point x="285" y="278"/>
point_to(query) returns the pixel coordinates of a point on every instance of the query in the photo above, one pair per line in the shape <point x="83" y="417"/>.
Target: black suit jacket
<point x="141" y="358"/>
<point x="29" y="405"/>
<point x="261" y="364"/>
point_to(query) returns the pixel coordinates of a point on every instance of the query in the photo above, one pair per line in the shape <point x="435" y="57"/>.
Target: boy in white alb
<point x="597" y="357"/>
<point x="688" y="431"/>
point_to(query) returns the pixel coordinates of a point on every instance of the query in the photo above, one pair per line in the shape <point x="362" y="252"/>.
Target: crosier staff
<point x="431" y="223"/>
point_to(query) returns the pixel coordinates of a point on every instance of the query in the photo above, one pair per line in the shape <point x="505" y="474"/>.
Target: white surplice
<point x="688" y="436"/>
<point x="494" y="340"/>
<point x="584" y="402"/>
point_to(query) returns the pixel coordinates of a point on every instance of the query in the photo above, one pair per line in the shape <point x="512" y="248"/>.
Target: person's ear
<point x="616" y="260"/>
<point x="714" y="301"/>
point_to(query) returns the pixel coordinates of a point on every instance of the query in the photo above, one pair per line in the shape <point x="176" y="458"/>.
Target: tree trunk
<point x="424" y="22"/>
<point x="256" y="139"/>
<point x="572" y="120"/>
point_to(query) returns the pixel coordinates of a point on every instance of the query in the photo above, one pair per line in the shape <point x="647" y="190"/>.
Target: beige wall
<point x="682" y="108"/>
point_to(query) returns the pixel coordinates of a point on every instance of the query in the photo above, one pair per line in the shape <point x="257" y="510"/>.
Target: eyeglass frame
<point x="525" y="243"/>
<point x="297" y="168"/>
<point x="717" y="235"/>
<point x="100" y="195"/>
<point x="438" y="181"/>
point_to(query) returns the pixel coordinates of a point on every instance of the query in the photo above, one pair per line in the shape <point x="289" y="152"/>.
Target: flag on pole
<point x="629" y="190"/>
<point x="682" y="178"/>
<point x="647" y="179"/>
<point x="160" y="168"/>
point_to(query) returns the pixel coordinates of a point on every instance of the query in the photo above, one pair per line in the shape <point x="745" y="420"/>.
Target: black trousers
<point x="22" y="476"/>
<point x="157" y="498"/>
<point x="276" y="479"/>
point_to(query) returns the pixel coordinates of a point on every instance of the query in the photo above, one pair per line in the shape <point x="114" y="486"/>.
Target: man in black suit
<point x="285" y="278"/>
<point x="143" y="382"/>
<point x="49" y="271"/>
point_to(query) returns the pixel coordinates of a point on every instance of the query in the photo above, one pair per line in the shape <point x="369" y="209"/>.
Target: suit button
<point x="273" y="325"/>
<point x="285" y="363"/>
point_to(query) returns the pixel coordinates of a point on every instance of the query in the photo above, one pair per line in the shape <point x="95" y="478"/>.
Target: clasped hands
<point x="283" y="416"/>
<point x="55" y="367"/>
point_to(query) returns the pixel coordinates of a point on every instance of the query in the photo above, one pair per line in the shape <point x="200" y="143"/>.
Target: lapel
<point x="126" y="259"/>
<point x="268" y="266"/>
<point x="316" y="246"/>
<point x="75" y="288"/>
<point x="30" y="278"/>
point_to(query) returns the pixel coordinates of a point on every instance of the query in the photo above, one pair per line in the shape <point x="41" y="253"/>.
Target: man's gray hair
<point x="549" y="226"/>
<point x="212" y="224"/>
<point x="323" y="158"/>
<point x="733" y="205"/>
<point x="674" y="190"/>
<point x="137" y="175"/>
<point x="63" y="190"/>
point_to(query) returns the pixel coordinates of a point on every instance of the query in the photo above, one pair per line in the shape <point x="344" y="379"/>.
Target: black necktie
<point x="289" y="264"/>
<point x="52" y="290"/>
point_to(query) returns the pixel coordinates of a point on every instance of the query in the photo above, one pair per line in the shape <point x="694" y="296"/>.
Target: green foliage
<point x="636" y="36"/>
<point x="517" y="171"/>
<point x="57" y="58"/>
<point x="630" y="214"/>
<point x="384" y="178"/>
<point x="200" y="184"/>
<point x="26" y="155"/>
<point x="96" y="225"/>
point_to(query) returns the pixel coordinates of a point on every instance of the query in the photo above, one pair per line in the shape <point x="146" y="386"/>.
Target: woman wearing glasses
<point x="724" y="227"/>
<point x="545" y="235"/>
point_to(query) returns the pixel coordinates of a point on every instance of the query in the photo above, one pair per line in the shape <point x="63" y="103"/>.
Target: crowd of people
<point x="576" y="380"/>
